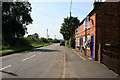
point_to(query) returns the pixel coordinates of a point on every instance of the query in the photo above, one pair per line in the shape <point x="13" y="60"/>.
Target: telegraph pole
<point x="47" y="33"/>
<point x="70" y="19"/>
<point x="55" y="36"/>
<point x="70" y="8"/>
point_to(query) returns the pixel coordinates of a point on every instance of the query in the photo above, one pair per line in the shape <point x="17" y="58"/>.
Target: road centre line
<point x="64" y="63"/>
<point x="78" y="54"/>
<point x="28" y="58"/>
<point x="5" y="67"/>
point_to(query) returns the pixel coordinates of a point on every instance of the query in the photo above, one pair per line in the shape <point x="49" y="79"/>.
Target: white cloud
<point x="55" y="31"/>
<point x="36" y="28"/>
<point x="42" y="31"/>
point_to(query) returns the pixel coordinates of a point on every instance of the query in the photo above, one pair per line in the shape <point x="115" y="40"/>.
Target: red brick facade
<point x="104" y="26"/>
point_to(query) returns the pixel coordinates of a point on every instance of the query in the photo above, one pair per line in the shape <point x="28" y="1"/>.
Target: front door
<point x="92" y="46"/>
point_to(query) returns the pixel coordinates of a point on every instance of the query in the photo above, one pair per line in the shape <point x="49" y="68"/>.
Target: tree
<point x="68" y="27"/>
<point x="36" y="36"/>
<point x="44" y="40"/>
<point x="15" y="17"/>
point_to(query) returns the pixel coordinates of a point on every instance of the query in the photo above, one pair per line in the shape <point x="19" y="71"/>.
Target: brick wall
<point x="107" y="23"/>
<point x="108" y="31"/>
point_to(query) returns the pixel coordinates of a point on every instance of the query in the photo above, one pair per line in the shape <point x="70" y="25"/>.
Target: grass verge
<point x="67" y="43"/>
<point x="21" y="48"/>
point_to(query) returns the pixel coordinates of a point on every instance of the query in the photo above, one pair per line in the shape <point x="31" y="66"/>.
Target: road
<point x="52" y="61"/>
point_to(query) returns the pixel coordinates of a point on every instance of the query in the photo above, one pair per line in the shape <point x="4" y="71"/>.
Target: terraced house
<point x="98" y="34"/>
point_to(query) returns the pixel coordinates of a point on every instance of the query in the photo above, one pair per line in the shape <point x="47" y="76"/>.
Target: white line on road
<point x="6" y="67"/>
<point x="78" y="54"/>
<point x="28" y="58"/>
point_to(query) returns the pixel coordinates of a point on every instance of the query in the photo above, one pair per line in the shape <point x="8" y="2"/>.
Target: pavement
<point x="53" y="61"/>
<point x="81" y="66"/>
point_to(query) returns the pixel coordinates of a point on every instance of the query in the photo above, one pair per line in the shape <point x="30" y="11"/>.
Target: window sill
<point x="88" y="48"/>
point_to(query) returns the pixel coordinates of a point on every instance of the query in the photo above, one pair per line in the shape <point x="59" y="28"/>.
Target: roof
<point x="97" y="4"/>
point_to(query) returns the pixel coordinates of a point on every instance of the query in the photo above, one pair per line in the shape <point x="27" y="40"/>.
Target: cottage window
<point x="76" y="42"/>
<point x="88" y="22"/>
<point x="84" y="25"/>
<point x="84" y="41"/>
<point x="88" y="42"/>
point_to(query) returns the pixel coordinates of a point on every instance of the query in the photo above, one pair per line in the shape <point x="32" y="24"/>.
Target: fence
<point x="111" y="59"/>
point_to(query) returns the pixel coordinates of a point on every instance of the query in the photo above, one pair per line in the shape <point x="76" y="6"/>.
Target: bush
<point x="44" y="40"/>
<point x="30" y="40"/>
<point x="67" y="43"/>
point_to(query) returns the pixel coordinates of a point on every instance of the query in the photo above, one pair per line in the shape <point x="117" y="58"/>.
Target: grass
<point x="67" y="43"/>
<point x="21" y="48"/>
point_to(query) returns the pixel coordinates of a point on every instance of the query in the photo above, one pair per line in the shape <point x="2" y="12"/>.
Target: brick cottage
<point x="98" y="34"/>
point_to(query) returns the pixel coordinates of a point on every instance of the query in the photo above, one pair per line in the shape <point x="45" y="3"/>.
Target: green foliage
<point x="34" y="39"/>
<point x="44" y="40"/>
<point x="69" y="26"/>
<point x="67" y="43"/>
<point x="50" y="40"/>
<point x="21" y="48"/>
<point x="25" y="43"/>
<point x="56" y="41"/>
<point x="72" y="42"/>
<point x="68" y="30"/>
<point x="15" y="49"/>
<point x="15" y="17"/>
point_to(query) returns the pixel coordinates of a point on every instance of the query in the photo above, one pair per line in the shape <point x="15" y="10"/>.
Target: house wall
<point x="80" y="34"/>
<point x="108" y="26"/>
<point x="92" y="31"/>
<point x="107" y="23"/>
<point x="104" y="25"/>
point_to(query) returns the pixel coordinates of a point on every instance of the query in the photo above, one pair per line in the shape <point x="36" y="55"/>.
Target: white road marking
<point x="6" y="67"/>
<point x="63" y="76"/>
<point x="78" y="55"/>
<point x="28" y="58"/>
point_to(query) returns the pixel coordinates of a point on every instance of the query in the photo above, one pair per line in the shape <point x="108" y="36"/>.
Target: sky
<point x="50" y="15"/>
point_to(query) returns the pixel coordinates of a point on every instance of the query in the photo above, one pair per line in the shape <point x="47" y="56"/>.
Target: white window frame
<point x="88" y="22"/>
<point x="84" y="41"/>
<point x="88" y="38"/>
<point x="84" y="25"/>
<point x="76" y="42"/>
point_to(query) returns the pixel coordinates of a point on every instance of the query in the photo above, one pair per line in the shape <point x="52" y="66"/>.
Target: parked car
<point x="62" y="43"/>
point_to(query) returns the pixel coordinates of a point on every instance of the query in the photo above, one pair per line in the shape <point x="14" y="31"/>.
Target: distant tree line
<point x="35" y="38"/>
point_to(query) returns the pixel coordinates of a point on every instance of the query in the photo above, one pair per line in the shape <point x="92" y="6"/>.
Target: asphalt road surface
<point x="52" y="61"/>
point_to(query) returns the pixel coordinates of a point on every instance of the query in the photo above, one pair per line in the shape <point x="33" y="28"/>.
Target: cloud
<point x="55" y="31"/>
<point x="36" y="28"/>
<point x="41" y="30"/>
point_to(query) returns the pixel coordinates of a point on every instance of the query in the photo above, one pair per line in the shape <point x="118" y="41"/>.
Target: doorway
<point x="92" y="47"/>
